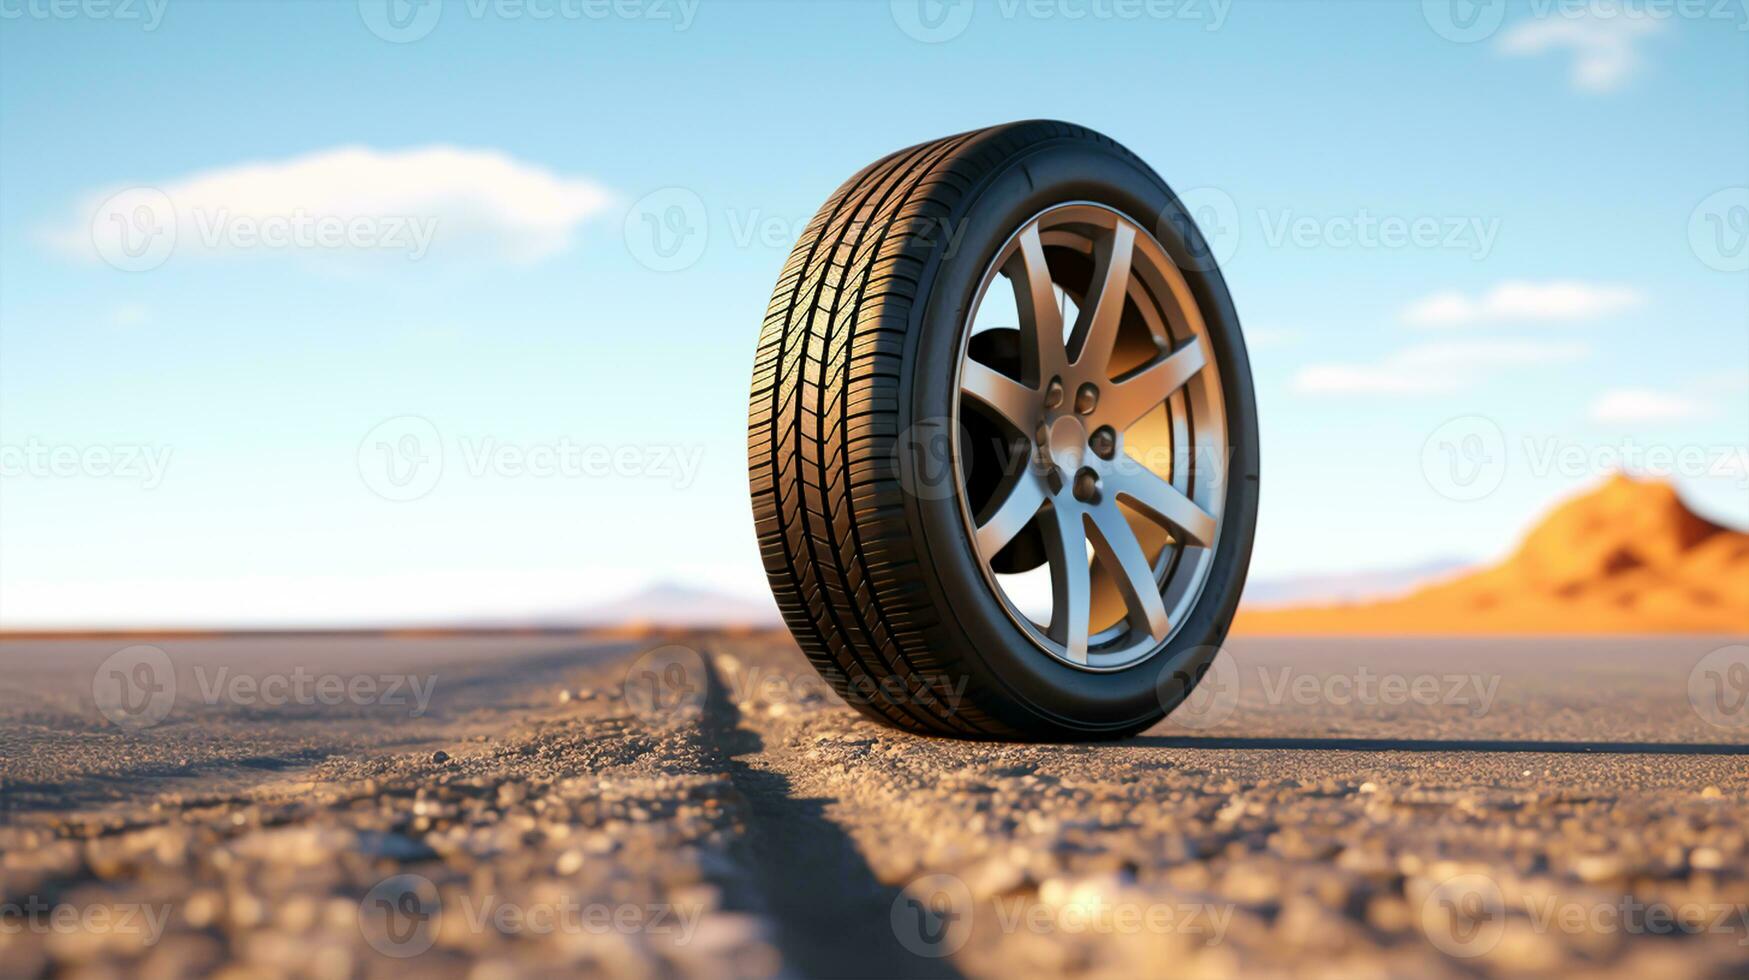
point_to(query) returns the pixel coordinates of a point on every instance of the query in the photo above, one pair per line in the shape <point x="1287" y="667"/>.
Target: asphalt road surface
<point x="500" y="806"/>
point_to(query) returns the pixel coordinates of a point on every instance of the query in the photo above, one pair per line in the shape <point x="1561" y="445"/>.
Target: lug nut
<point x="1104" y="442"/>
<point x="1087" y="487"/>
<point x="1054" y="393"/>
<point x="1087" y="399"/>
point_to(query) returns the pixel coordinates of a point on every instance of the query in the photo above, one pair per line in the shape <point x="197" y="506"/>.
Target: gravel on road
<point x="702" y="806"/>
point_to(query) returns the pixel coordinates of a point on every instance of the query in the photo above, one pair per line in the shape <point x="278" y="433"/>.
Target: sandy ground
<point x="496" y="806"/>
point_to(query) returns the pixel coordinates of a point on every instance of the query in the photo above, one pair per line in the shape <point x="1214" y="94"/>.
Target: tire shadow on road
<point x="1435" y="745"/>
<point x="831" y="912"/>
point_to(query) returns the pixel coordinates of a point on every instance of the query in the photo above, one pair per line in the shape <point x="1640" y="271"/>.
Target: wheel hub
<point x="1119" y="405"/>
<point x="1064" y="443"/>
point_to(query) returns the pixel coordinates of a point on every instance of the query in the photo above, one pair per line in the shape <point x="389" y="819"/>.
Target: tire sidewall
<point x="1042" y="694"/>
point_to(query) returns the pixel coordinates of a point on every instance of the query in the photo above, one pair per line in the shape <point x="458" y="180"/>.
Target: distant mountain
<point x="1307" y="590"/>
<point x="1626" y="557"/>
<point x="666" y="605"/>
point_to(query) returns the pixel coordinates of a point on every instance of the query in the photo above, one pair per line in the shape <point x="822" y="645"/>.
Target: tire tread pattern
<point x="824" y="422"/>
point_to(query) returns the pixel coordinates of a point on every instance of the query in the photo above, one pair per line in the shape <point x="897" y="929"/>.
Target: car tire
<point x="896" y="442"/>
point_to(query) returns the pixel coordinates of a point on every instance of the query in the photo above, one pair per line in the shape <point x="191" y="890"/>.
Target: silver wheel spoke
<point x="1079" y="373"/>
<point x="1009" y="398"/>
<point x="1071" y="585"/>
<point x="1118" y="550"/>
<point x="1023" y="501"/>
<point x="1166" y="504"/>
<point x="1096" y="328"/>
<point x="1041" y="319"/>
<point x="1142" y="392"/>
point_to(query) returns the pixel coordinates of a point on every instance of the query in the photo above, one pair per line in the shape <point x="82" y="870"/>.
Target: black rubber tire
<point x="880" y="584"/>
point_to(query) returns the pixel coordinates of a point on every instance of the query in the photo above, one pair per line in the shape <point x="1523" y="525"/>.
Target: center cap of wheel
<point x="1066" y="443"/>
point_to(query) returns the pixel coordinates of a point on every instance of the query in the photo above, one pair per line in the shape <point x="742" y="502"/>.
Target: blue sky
<point x="227" y="431"/>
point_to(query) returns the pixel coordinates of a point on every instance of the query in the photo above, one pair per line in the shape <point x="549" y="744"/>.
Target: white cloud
<point x="348" y="200"/>
<point x="1558" y="300"/>
<point x="1602" y="40"/>
<point x="1643" y="405"/>
<point x="1433" y="368"/>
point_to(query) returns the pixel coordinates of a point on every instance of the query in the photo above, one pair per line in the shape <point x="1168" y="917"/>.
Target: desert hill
<point x="1627" y="557"/>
